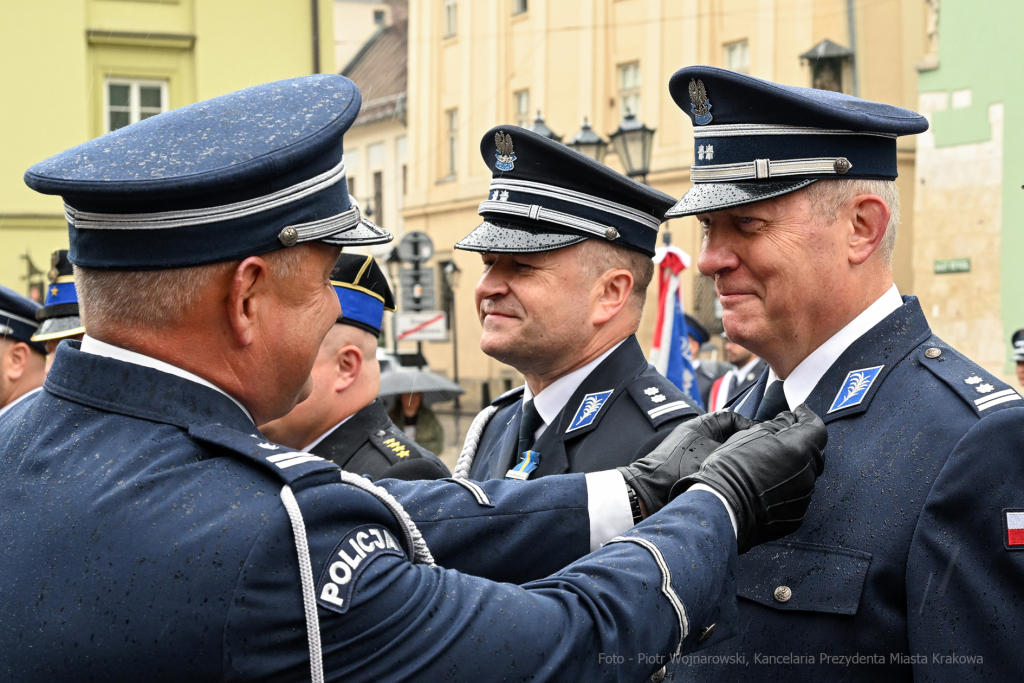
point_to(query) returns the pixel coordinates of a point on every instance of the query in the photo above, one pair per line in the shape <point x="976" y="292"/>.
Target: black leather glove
<point x="767" y="474"/>
<point x="679" y="455"/>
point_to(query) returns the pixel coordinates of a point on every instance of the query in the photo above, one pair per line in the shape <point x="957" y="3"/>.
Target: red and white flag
<point x="1013" y="522"/>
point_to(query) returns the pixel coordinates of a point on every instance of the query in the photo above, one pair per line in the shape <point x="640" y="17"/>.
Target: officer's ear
<point x="868" y="219"/>
<point x="349" y="360"/>
<point x="610" y="294"/>
<point x="16" y="359"/>
<point x="250" y="283"/>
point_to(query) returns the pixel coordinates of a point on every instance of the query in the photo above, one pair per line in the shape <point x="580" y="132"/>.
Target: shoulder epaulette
<point x="981" y="390"/>
<point x="394" y="442"/>
<point x="289" y="466"/>
<point x="659" y="399"/>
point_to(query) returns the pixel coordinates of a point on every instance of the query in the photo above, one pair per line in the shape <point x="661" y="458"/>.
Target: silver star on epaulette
<point x="973" y="379"/>
<point x="658" y="399"/>
<point x="651" y="391"/>
<point x="984" y="388"/>
<point x="270" y="446"/>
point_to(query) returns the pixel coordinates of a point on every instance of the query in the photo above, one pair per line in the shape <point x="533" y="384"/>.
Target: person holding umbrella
<point x="343" y="420"/>
<point x="414" y="390"/>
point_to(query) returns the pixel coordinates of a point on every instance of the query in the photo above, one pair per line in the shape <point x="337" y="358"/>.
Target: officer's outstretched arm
<point x="616" y="615"/>
<point x="964" y="573"/>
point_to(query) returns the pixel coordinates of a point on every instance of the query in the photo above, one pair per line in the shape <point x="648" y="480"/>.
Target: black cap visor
<point x="708" y="197"/>
<point x="506" y="238"/>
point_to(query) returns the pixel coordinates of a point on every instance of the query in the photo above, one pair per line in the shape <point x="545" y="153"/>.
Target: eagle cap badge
<point x="700" y="105"/>
<point x="505" y="153"/>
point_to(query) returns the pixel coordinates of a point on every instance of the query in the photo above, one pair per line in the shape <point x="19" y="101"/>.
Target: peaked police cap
<point x="545" y="196"/>
<point x="59" y="317"/>
<point x="244" y="174"/>
<point x="363" y="292"/>
<point x="754" y="139"/>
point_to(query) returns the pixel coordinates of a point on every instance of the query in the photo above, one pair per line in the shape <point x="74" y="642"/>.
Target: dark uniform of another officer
<point x="59" y="318"/>
<point x="151" y="533"/>
<point x="908" y="566"/>
<point x="566" y="245"/>
<point x="707" y="371"/>
<point x="343" y="420"/>
<point x="22" y="361"/>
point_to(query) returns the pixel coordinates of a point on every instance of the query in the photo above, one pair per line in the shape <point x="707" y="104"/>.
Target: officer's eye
<point x="749" y="224"/>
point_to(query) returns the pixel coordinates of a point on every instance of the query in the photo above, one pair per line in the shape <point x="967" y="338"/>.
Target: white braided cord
<point x="413" y="537"/>
<point x="476" y="430"/>
<point x="316" y="659"/>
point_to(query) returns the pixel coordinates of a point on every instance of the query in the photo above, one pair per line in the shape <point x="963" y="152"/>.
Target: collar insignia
<point x="855" y="388"/>
<point x="505" y="154"/>
<point x="700" y="105"/>
<point x="588" y="410"/>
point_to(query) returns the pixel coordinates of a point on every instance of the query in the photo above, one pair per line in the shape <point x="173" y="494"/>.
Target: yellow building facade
<point x="474" y="64"/>
<point x="75" y="69"/>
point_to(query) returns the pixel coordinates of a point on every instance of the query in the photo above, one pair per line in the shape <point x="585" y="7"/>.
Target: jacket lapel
<point x="507" y="456"/>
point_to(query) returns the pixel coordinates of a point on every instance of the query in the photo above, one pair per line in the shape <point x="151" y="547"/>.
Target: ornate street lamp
<point x="540" y="128"/>
<point x="632" y="142"/>
<point x="587" y="142"/>
<point x="452" y="276"/>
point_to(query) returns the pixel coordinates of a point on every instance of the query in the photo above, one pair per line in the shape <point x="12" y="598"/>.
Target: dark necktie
<point x="773" y="403"/>
<point x="530" y="423"/>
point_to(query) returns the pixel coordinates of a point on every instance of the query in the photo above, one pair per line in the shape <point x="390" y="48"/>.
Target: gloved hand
<point x="679" y="455"/>
<point x="767" y="474"/>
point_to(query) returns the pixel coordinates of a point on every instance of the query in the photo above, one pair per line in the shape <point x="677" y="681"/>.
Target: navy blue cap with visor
<point x="239" y="175"/>
<point x="363" y="292"/>
<point x="754" y="139"/>
<point x="545" y="196"/>
<point x="696" y="330"/>
<point x="1018" y="346"/>
<point x="59" y="317"/>
<point x="18" y="318"/>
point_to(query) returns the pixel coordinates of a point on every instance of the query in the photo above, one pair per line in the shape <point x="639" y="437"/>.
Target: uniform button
<point x="658" y="676"/>
<point x="381" y="432"/>
<point x="933" y="353"/>
<point x="783" y="594"/>
<point x="706" y="633"/>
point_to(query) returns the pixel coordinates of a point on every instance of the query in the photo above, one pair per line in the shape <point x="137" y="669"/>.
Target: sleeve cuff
<point x="719" y="496"/>
<point x="608" y="505"/>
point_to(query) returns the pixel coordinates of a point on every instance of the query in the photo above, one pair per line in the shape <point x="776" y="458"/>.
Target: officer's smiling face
<point x="533" y="308"/>
<point x="777" y="269"/>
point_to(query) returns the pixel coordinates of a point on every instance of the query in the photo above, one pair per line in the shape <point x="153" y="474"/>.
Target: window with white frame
<point x="737" y="56"/>
<point x="451" y="15"/>
<point x="520" y="6"/>
<point x="452" y="116"/>
<point x="131" y="100"/>
<point x="522" y="98"/>
<point x="629" y="89"/>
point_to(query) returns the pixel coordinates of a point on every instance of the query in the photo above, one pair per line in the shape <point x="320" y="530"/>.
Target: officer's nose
<point x="493" y="282"/>
<point x="716" y="253"/>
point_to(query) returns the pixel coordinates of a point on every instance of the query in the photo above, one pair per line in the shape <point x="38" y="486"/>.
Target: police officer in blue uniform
<point x="343" y="420"/>
<point x="22" y="360"/>
<point x="566" y="245"/>
<point x="150" y="532"/>
<point x="904" y="569"/>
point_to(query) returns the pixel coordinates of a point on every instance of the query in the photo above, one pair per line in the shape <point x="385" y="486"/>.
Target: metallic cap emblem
<point x="611" y="234"/>
<point x="842" y="165"/>
<point x="289" y="237"/>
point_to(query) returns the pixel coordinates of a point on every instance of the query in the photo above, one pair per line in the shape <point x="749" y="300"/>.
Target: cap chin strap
<point x="761" y="169"/>
<point x="215" y="214"/>
<point x="539" y="213"/>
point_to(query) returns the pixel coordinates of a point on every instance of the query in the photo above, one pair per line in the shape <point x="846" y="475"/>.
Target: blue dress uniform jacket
<point x="641" y="408"/>
<point x="370" y="443"/>
<point x="901" y="559"/>
<point x="149" y="533"/>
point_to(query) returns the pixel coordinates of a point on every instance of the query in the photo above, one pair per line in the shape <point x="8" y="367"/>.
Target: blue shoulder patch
<point x="588" y="410"/>
<point x="349" y="560"/>
<point x="981" y="390"/>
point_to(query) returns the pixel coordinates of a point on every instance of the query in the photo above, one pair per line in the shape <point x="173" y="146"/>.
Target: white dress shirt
<point x="98" y="348"/>
<point x="27" y="394"/>
<point x="808" y="373"/>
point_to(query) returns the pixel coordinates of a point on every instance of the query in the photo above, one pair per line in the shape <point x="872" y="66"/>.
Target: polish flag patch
<point x="1013" y="528"/>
